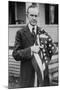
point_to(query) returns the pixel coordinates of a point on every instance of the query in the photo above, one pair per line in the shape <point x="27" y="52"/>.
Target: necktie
<point x="33" y="32"/>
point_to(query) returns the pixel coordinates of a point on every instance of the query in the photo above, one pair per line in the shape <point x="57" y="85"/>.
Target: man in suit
<point x="24" y="49"/>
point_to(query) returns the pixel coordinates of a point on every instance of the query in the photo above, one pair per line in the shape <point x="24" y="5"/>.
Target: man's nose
<point x="34" y="17"/>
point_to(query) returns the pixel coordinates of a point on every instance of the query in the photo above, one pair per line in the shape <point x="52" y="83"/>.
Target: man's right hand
<point x="35" y="48"/>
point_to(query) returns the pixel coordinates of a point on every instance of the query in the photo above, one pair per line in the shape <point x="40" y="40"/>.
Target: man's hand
<point x="43" y="36"/>
<point x="35" y="48"/>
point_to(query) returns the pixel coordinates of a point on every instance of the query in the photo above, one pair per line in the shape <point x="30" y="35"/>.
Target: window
<point x="51" y="14"/>
<point x="17" y="11"/>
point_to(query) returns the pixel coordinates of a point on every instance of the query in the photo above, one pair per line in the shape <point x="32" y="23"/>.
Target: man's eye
<point x="35" y="15"/>
<point x="32" y="15"/>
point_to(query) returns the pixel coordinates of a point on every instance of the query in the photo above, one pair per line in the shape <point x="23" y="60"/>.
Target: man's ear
<point x="27" y="14"/>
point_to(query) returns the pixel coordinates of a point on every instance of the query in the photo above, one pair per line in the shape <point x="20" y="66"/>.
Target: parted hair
<point x="31" y="6"/>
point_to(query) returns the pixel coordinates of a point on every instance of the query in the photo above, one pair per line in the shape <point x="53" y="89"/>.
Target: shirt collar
<point x="30" y="27"/>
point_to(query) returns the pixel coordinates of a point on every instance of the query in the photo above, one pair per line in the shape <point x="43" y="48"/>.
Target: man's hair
<point x="31" y="6"/>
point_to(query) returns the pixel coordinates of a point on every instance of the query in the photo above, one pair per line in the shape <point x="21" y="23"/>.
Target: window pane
<point x="51" y="14"/>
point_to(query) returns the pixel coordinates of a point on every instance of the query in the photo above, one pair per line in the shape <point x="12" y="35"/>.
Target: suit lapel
<point x="28" y="35"/>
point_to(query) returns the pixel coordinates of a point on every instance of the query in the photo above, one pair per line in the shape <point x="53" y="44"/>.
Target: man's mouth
<point x="34" y="21"/>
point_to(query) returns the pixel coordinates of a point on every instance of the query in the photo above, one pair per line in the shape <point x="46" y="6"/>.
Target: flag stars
<point x="45" y="57"/>
<point x="45" y="42"/>
<point x="50" y="39"/>
<point x="50" y="52"/>
<point x="43" y="50"/>
<point x="46" y="61"/>
<point x="50" y="45"/>
<point x="44" y="54"/>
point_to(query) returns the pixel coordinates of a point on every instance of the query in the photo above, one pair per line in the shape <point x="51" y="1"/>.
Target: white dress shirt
<point x="30" y="28"/>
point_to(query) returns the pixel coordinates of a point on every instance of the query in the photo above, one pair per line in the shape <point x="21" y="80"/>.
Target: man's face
<point x="33" y="16"/>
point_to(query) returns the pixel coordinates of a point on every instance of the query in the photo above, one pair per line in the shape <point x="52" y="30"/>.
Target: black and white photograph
<point x="33" y="44"/>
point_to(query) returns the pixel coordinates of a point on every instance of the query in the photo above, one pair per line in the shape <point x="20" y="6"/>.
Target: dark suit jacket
<point x="22" y="52"/>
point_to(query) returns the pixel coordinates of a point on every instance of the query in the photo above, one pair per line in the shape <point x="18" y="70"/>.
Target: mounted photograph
<point x="33" y="44"/>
